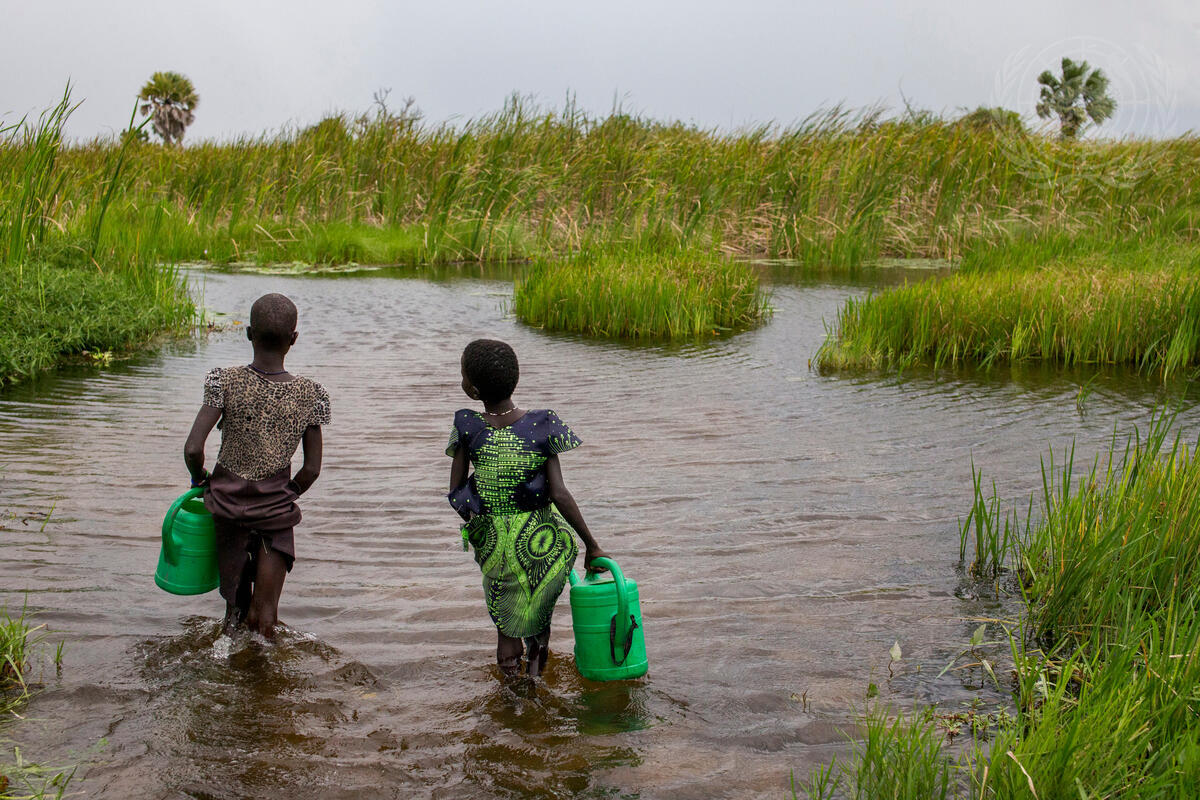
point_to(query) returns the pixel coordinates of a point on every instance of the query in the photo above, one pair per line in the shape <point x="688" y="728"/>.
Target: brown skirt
<point x="267" y="504"/>
<point x="247" y="515"/>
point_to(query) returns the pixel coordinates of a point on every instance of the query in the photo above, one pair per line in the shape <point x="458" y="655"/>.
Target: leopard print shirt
<point x="263" y="421"/>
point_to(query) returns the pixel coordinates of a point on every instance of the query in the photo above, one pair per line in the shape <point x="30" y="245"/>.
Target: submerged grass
<point x="1106" y="662"/>
<point x="21" y="779"/>
<point x="14" y="659"/>
<point x="1135" y="303"/>
<point x="636" y="295"/>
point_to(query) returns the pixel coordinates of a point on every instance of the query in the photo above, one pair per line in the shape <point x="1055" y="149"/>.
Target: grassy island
<point x="635" y="295"/>
<point x="1135" y="302"/>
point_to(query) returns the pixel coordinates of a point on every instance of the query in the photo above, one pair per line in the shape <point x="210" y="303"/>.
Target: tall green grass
<point x="1108" y="674"/>
<point x="633" y="294"/>
<point x="1129" y="303"/>
<point x="69" y="291"/>
<point x="836" y="188"/>
<point x="1106" y="660"/>
<point x="897" y="757"/>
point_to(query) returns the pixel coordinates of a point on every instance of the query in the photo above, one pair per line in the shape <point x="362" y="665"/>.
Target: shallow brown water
<point x="785" y="528"/>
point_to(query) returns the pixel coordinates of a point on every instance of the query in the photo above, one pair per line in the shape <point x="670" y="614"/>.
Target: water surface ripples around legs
<point x="784" y="528"/>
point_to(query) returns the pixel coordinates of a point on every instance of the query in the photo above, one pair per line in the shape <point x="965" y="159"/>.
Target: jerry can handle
<point x="621" y="630"/>
<point x="168" y="542"/>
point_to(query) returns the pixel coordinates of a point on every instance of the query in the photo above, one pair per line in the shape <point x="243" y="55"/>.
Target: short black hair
<point x="273" y="321"/>
<point x="491" y="367"/>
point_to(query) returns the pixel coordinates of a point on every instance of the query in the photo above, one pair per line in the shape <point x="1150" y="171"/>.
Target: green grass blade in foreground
<point x="25" y="780"/>
<point x="15" y="647"/>
<point x="20" y="778"/>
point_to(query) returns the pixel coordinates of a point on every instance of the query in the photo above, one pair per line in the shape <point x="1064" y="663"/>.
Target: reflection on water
<point x="784" y="529"/>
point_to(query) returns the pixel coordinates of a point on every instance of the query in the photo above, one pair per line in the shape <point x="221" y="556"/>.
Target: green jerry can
<point x="187" y="563"/>
<point x="607" y="617"/>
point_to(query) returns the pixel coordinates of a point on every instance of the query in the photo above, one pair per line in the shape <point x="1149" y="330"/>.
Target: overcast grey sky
<point x="258" y="66"/>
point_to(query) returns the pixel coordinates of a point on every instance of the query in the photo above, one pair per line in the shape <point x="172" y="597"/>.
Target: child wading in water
<point x="264" y="413"/>
<point x="515" y="504"/>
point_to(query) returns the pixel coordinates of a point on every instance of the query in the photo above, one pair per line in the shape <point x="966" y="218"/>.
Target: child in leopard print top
<point x="264" y="413"/>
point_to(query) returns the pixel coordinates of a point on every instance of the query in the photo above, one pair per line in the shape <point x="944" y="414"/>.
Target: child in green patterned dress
<point x="515" y="504"/>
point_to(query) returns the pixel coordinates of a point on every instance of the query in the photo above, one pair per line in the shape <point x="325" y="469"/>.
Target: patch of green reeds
<point x="21" y="779"/>
<point x="635" y="294"/>
<point x="1108" y="666"/>
<point x="32" y="190"/>
<point x="15" y="646"/>
<point x="66" y="294"/>
<point x="897" y="757"/>
<point x="54" y="312"/>
<point x="837" y="188"/>
<point x="1106" y="660"/>
<point x="1131" y="304"/>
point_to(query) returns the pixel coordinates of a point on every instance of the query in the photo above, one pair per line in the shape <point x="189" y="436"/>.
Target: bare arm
<point x="458" y="468"/>
<point x="310" y="470"/>
<point x="562" y="498"/>
<point x="193" y="449"/>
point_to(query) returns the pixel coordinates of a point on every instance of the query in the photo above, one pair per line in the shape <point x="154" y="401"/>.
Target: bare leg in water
<point x="235" y="612"/>
<point x="509" y="651"/>
<point x="508" y="654"/>
<point x="538" y="649"/>
<point x="268" y="585"/>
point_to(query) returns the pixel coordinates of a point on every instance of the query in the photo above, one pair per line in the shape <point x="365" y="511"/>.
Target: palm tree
<point x="1081" y="93"/>
<point x="172" y="98"/>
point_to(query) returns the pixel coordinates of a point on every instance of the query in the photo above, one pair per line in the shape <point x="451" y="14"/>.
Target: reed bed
<point x="527" y="183"/>
<point x="1137" y="305"/>
<point x="1109" y="663"/>
<point x="81" y="291"/>
<point x="630" y="294"/>
<point x="1106" y="660"/>
<point x="834" y="189"/>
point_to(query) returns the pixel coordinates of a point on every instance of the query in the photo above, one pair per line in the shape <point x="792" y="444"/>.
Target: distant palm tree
<point x="172" y="98"/>
<point x="1081" y="93"/>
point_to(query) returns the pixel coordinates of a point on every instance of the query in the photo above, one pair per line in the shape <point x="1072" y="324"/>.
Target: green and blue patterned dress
<point x="522" y="544"/>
